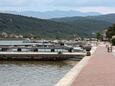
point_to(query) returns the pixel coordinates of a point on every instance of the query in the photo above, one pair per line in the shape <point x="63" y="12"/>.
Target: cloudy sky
<point x="103" y="6"/>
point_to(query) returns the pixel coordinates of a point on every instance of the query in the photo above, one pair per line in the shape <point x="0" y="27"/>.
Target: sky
<point x="102" y="6"/>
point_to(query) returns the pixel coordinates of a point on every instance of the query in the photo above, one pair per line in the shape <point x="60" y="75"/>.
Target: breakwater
<point x="38" y="56"/>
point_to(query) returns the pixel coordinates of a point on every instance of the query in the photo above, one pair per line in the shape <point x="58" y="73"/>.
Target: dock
<point x="40" y="50"/>
<point x="40" y="55"/>
<point x="98" y="70"/>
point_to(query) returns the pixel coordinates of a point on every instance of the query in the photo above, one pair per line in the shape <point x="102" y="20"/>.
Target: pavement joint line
<point x="68" y="79"/>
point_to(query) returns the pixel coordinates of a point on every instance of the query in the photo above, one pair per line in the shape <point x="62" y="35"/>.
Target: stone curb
<point x="68" y="79"/>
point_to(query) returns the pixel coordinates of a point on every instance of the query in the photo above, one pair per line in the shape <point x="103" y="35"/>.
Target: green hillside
<point x="27" y="25"/>
<point x="54" y="28"/>
<point x="88" y="25"/>
<point x="108" y="18"/>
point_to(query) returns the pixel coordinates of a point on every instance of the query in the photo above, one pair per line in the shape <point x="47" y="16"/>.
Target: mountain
<point x="108" y="17"/>
<point x="88" y="24"/>
<point x="28" y="25"/>
<point x="54" y="14"/>
<point x="66" y="27"/>
<point x="94" y="23"/>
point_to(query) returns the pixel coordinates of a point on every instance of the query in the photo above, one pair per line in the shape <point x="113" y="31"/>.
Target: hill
<point x="54" y="13"/>
<point x="27" y="25"/>
<point x="88" y="25"/>
<point x="108" y="17"/>
<point x="66" y="27"/>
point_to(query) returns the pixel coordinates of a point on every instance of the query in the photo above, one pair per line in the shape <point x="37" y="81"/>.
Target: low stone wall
<point x="40" y="57"/>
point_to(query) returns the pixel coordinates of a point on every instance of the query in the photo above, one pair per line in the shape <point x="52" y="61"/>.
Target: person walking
<point x="109" y="48"/>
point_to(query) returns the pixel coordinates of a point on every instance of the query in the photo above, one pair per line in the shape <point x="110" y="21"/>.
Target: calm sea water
<point x="33" y="73"/>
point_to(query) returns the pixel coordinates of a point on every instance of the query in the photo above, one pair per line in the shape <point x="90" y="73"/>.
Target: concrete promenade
<point x="100" y="70"/>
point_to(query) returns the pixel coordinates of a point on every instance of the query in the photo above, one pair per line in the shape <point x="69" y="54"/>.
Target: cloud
<point x="9" y="3"/>
<point x="84" y="3"/>
<point x="64" y="3"/>
<point x="104" y="10"/>
<point x="23" y="3"/>
<point x="43" y="5"/>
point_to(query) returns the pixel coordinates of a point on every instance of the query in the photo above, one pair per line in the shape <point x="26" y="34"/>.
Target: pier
<point x="40" y="55"/>
<point x="40" y="50"/>
<point x="95" y="70"/>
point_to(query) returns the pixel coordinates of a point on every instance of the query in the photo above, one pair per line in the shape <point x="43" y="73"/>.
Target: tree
<point x="113" y="41"/>
<point x="110" y="32"/>
<point x="98" y="36"/>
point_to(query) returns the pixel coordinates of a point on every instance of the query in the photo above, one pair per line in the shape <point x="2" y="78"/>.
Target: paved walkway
<point x="100" y="70"/>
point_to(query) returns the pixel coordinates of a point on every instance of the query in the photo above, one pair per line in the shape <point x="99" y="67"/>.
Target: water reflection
<point x="38" y="63"/>
<point x="33" y="73"/>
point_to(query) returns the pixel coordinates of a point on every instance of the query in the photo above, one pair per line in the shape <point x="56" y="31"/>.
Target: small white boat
<point x="77" y="49"/>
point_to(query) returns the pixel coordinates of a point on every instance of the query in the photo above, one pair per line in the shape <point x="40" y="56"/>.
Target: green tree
<point x="110" y="32"/>
<point x="98" y="36"/>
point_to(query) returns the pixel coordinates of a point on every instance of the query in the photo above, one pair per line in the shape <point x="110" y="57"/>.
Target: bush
<point x="113" y="41"/>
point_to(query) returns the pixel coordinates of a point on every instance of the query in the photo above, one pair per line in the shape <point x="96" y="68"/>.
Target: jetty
<point x="40" y="56"/>
<point x="95" y="70"/>
<point x="40" y="50"/>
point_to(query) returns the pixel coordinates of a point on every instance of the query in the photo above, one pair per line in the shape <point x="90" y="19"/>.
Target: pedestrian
<point x="107" y="48"/>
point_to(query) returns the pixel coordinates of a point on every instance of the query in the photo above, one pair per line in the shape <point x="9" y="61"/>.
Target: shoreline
<point x="68" y="79"/>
